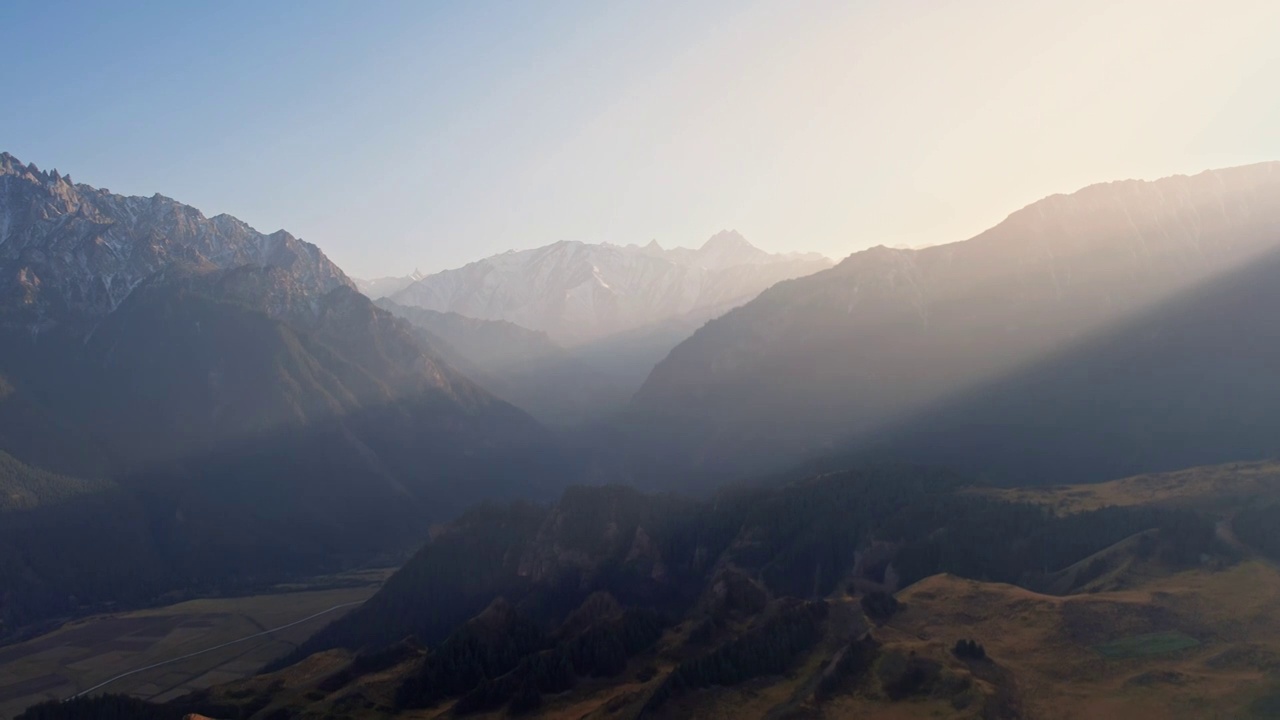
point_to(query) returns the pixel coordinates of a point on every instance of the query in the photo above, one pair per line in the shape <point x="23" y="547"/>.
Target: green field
<point x="1143" y="645"/>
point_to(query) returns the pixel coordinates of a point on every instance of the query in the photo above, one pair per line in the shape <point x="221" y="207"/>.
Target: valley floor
<point x="87" y="652"/>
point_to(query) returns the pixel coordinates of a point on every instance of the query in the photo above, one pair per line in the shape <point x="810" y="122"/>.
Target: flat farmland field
<point x="87" y="652"/>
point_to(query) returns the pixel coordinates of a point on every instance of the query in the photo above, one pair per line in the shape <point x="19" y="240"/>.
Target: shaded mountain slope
<point x="841" y="358"/>
<point x="257" y="415"/>
<point x="245" y="448"/>
<point x="1192" y="382"/>
<point x="24" y="487"/>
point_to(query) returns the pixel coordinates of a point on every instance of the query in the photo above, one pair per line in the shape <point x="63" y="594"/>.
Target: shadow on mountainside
<point x="238" y="451"/>
<point x="1193" y="381"/>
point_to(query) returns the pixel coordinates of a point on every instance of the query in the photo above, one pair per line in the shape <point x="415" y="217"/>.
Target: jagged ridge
<point x="579" y="292"/>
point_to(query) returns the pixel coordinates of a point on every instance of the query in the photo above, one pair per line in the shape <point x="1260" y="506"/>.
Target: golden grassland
<point x="1050" y="644"/>
<point x="85" y="652"/>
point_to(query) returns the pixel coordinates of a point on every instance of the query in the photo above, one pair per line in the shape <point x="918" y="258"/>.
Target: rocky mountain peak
<point x="727" y="240"/>
<point x="724" y="250"/>
<point x="12" y="166"/>
<point x="74" y="252"/>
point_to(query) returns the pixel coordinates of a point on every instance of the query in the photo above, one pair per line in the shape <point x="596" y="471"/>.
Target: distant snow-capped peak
<point x="378" y="288"/>
<point x="579" y="292"/>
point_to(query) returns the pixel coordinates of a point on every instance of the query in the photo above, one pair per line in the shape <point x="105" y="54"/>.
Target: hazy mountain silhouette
<point x="379" y="288"/>
<point x="853" y="356"/>
<point x="557" y="385"/>
<point x="567" y="387"/>
<point x="580" y="293"/>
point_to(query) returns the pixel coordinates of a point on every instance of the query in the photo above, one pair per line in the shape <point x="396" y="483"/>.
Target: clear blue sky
<point x="427" y="134"/>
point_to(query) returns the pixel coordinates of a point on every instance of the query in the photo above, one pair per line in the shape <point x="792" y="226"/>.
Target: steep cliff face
<point x="818" y="362"/>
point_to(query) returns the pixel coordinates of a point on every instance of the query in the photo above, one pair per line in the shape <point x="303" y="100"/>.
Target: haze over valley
<point x="711" y="360"/>
<point x="610" y="312"/>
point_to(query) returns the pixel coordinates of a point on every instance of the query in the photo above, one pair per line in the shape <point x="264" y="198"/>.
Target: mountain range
<point x="605" y="314"/>
<point x="866" y="458"/>
<point x="580" y="293"/>
<point x="1118" y="329"/>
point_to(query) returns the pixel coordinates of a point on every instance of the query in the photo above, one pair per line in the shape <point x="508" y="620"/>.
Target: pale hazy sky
<point x="425" y="134"/>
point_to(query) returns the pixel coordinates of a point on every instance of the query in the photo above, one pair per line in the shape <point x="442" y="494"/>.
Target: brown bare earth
<point x="86" y="652"/>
